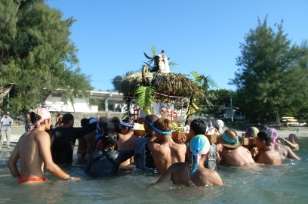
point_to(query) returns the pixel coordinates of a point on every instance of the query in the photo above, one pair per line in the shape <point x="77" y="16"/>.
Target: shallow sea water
<point x="286" y="184"/>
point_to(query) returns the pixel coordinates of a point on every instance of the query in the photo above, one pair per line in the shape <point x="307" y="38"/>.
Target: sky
<point x="198" y="35"/>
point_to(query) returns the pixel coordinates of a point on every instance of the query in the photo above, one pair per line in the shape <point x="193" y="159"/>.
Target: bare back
<point x="126" y="141"/>
<point x="271" y="157"/>
<point x="236" y="157"/>
<point x="166" y="154"/>
<point x="205" y="177"/>
<point x="31" y="163"/>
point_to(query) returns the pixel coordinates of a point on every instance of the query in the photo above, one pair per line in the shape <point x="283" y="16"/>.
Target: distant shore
<point x="17" y="131"/>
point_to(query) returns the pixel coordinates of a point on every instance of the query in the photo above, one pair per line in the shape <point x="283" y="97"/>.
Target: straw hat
<point x="230" y="139"/>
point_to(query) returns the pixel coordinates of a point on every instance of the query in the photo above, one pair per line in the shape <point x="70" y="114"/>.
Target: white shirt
<point x="6" y="121"/>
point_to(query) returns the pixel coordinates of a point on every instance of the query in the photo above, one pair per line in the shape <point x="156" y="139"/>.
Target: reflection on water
<point x="286" y="184"/>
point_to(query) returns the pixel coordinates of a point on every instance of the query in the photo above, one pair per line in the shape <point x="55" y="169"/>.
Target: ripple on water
<point x="286" y="184"/>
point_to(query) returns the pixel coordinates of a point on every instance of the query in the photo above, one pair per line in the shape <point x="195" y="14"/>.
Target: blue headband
<point x="229" y="140"/>
<point x="161" y="132"/>
<point x="128" y="125"/>
<point x="152" y="127"/>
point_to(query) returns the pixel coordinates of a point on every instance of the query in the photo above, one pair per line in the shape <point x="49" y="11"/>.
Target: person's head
<point x="197" y="126"/>
<point x="109" y="129"/>
<point x="251" y="132"/>
<point x="41" y="117"/>
<point x="148" y="122"/>
<point x="272" y="132"/>
<point x="84" y="122"/>
<point x="230" y="139"/>
<point x="199" y="147"/>
<point x="219" y="125"/>
<point x="293" y="138"/>
<point x="68" y="120"/>
<point x="126" y="126"/>
<point x="162" y="128"/>
<point x="263" y="140"/>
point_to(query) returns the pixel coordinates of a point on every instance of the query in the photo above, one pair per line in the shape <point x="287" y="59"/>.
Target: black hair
<point x="198" y="126"/>
<point x="34" y="117"/>
<point x="84" y="122"/>
<point x="264" y="136"/>
<point x="67" y="118"/>
<point x="150" y="118"/>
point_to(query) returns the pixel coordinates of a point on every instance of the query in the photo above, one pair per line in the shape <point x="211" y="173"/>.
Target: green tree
<point x="220" y="99"/>
<point x="268" y="71"/>
<point x="36" y="53"/>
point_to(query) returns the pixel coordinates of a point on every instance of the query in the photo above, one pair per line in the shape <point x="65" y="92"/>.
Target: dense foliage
<point x="36" y="53"/>
<point x="272" y="76"/>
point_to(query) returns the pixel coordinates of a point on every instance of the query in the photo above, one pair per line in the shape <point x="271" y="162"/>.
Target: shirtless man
<point x="231" y="152"/>
<point x="142" y="155"/>
<point x="125" y="136"/>
<point x="165" y="151"/>
<point x="265" y="152"/>
<point x="181" y="173"/>
<point x="291" y="142"/>
<point x="286" y="152"/>
<point x="200" y="126"/>
<point x="125" y="140"/>
<point x="33" y="152"/>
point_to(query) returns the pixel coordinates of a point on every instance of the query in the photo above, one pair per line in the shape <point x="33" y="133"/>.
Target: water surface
<point x="286" y="184"/>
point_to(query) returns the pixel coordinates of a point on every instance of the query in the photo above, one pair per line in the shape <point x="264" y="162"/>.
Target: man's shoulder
<point x="179" y="146"/>
<point x="156" y="147"/>
<point x="40" y="133"/>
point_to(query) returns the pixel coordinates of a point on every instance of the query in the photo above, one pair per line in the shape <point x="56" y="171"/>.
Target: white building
<point x="96" y="101"/>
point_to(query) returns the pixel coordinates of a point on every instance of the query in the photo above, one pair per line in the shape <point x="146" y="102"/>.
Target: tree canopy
<point x="36" y="53"/>
<point x="272" y="76"/>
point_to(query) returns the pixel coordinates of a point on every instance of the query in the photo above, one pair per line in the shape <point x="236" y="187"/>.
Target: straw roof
<point x="167" y="87"/>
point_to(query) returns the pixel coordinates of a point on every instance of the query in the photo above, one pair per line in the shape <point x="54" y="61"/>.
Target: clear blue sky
<point x="199" y="35"/>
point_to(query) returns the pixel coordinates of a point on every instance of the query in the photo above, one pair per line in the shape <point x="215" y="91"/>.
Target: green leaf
<point x="145" y="98"/>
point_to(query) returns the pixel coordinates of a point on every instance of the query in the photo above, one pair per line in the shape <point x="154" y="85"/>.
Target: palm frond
<point x="145" y="98"/>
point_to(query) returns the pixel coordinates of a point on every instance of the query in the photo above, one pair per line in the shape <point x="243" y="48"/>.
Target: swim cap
<point x="199" y="145"/>
<point x="252" y="132"/>
<point x="273" y="133"/>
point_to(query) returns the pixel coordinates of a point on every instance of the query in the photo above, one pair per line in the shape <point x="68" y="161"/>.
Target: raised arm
<point x="12" y="162"/>
<point x="291" y="154"/>
<point x="43" y="141"/>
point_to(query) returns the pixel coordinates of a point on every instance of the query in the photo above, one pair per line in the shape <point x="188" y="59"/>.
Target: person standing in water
<point x="182" y="174"/>
<point x="231" y="152"/>
<point x="34" y="154"/>
<point x="164" y="150"/>
<point x="265" y="152"/>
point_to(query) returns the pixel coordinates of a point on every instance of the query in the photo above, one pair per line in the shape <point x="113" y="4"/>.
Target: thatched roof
<point x="166" y="86"/>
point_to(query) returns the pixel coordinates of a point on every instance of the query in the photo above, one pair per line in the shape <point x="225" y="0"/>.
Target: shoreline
<point x="301" y="132"/>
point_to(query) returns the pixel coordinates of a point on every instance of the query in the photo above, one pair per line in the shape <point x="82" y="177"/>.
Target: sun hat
<point x="230" y="139"/>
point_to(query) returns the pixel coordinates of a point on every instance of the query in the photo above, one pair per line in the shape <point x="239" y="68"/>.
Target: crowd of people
<point x="107" y="146"/>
